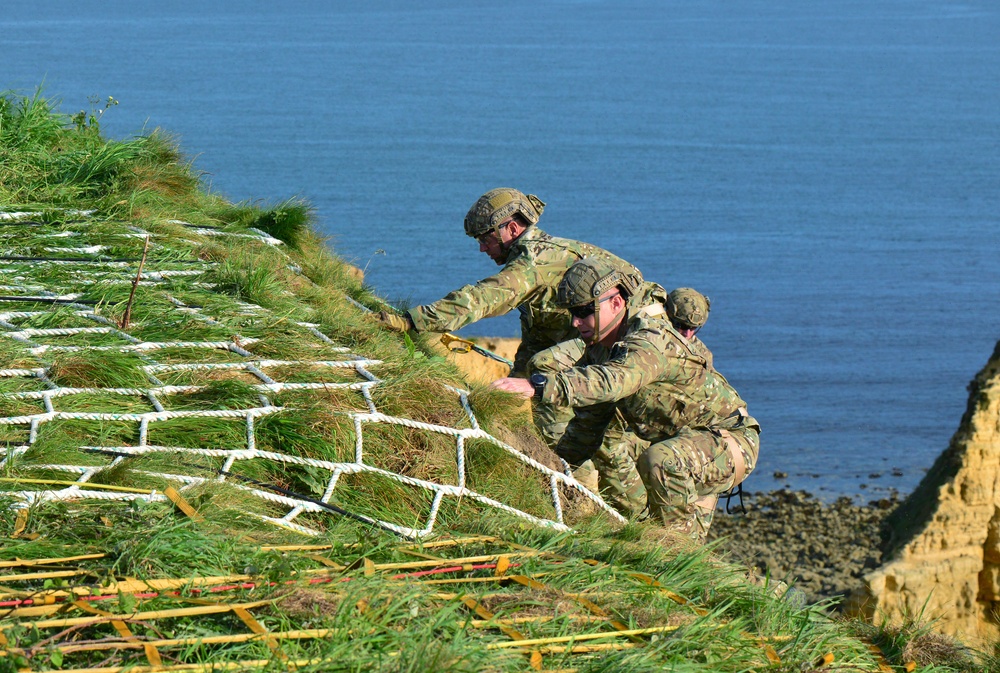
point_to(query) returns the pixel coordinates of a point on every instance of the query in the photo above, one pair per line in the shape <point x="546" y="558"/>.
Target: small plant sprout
<point x="135" y="283"/>
<point x="92" y="121"/>
<point x="378" y="251"/>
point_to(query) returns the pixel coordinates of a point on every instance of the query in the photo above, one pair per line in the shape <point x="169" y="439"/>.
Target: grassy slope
<point x="351" y="597"/>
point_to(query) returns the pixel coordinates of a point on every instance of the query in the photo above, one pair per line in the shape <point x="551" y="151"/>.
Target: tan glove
<point x="395" y="321"/>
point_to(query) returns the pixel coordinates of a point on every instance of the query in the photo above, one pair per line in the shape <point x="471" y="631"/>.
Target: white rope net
<point x="71" y="325"/>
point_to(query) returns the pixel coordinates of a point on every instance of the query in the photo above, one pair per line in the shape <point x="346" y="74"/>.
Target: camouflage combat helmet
<point x="499" y="205"/>
<point x="585" y="282"/>
<point x="688" y="308"/>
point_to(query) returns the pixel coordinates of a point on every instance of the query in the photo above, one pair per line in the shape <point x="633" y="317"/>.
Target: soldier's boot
<point x="587" y="475"/>
<point x="777" y="588"/>
<point x="704" y="513"/>
<point x="684" y="520"/>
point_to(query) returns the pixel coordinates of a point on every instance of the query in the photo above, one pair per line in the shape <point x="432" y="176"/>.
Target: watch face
<point x="537" y="379"/>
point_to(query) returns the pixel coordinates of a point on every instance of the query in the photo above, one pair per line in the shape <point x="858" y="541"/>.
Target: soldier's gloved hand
<point x="394" y="321"/>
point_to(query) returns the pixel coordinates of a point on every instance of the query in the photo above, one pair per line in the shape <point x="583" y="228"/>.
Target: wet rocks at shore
<point x="822" y="549"/>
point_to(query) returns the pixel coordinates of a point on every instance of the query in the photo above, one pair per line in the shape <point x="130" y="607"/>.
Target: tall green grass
<point x="50" y="161"/>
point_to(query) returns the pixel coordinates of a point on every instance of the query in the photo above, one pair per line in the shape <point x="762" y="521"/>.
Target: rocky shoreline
<point x="822" y="549"/>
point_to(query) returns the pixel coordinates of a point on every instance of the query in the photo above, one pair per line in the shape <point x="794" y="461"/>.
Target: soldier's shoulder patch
<point x="618" y="353"/>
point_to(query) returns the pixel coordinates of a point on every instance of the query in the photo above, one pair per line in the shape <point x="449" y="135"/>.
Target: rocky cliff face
<point x="943" y="542"/>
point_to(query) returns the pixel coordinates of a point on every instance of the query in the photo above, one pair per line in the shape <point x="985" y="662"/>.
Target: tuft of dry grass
<point x="932" y="648"/>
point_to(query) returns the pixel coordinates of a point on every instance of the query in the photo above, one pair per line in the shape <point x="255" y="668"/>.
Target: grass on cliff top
<point x="353" y="597"/>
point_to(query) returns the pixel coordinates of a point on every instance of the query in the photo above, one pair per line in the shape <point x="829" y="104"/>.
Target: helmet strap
<point x="598" y="333"/>
<point x="504" y="247"/>
<point x="496" y="231"/>
<point x="597" y="321"/>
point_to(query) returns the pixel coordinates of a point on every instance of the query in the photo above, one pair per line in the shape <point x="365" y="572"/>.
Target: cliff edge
<point x="943" y="542"/>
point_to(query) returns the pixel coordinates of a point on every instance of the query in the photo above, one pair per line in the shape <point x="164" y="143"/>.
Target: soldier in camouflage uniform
<point x="503" y="222"/>
<point x="644" y="363"/>
<point x="687" y="310"/>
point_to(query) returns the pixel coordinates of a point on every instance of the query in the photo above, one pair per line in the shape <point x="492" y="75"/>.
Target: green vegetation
<point x="237" y="343"/>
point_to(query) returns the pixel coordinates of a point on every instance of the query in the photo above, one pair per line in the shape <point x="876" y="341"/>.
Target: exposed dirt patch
<point x="530" y="445"/>
<point x="536" y="604"/>
<point x="309" y="603"/>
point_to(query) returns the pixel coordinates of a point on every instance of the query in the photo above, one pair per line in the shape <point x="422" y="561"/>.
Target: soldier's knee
<point x="658" y="462"/>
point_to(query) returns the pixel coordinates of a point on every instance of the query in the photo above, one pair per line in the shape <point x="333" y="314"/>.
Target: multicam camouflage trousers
<point x="618" y="479"/>
<point x="681" y="471"/>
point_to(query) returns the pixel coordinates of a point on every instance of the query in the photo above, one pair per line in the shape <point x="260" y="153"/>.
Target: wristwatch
<point x="538" y="382"/>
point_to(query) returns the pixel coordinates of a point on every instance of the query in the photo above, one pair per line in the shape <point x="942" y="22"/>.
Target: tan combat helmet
<point x="688" y="308"/>
<point x="498" y="205"/>
<point x="584" y="283"/>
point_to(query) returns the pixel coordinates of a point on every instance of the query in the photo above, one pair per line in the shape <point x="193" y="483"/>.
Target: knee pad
<point x="654" y="458"/>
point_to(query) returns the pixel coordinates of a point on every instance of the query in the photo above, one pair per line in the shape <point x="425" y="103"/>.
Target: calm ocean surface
<point x="828" y="172"/>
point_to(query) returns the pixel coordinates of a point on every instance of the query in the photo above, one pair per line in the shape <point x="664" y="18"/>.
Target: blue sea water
<point x="829" y="173"/>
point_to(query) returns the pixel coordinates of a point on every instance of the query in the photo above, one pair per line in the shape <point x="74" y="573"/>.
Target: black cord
<point x="736" y="491"/>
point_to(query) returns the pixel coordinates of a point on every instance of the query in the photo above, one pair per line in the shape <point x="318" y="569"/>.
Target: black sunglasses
<point x="587" y="310"/>
<point x="482" y="238"/>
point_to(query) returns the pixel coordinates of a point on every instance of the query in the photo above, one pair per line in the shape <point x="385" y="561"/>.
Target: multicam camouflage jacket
<point x="528" y="282"/>
<point x="659" y="380"/>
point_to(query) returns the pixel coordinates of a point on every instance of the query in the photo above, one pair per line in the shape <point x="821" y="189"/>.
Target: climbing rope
<point x="271" y="376"/>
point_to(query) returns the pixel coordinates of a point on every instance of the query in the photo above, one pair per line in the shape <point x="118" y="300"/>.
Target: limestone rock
<point x="943" y="542"/>
<point x="354" y="272"/>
